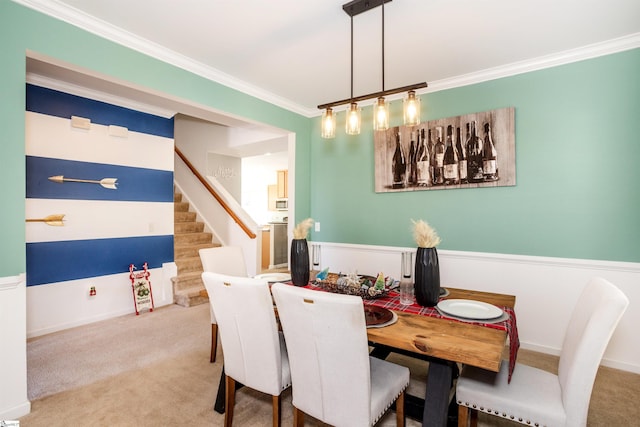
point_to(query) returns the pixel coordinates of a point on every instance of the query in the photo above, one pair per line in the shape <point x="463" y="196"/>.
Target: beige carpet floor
<point x="154" y="369"/>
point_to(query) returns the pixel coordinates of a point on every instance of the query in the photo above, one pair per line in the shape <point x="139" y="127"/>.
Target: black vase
<point x="299" y="262"/>
<point x="427" y="277"/>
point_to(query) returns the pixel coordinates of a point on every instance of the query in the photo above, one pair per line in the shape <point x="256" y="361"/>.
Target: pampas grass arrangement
<point x="424" y="235"/>
<point x="301" y="230"/>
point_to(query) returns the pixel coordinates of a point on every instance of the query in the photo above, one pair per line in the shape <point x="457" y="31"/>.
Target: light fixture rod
<point x="374" y="95"/>
<point x="356" y="7"/>
<point x="352" y="57"/>
<point x="382" y="47"/>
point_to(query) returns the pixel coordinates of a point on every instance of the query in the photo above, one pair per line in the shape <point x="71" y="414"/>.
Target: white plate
<point x="469" y="309"/>
<point x="275" y="277"/>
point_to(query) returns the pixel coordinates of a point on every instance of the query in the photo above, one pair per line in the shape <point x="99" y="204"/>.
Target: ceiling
<point x="296" y="53"/>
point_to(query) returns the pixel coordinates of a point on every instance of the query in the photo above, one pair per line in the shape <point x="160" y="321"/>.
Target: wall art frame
<point x="488" y="160"/>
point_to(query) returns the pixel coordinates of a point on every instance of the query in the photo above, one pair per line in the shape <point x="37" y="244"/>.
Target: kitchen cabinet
<point x="266" y="248"/>
<point x="283" y="191"/>
<point x="272" y="195"/>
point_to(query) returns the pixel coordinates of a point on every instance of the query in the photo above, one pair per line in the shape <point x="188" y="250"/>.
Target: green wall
<point x="577" y="142"/>
<point x="22" y="30"/>
<point x="578" y="181"/>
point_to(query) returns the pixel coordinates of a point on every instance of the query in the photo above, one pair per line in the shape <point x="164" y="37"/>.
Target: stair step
<point x="180" y="206"/>
<point x="183" y="216"/>
<point x="187" y="281"/>
<point x="188" y="251"/>
<point x="189" y="264"/>
<point x="188" y="227"/>
<point x="177" y="197"/>
<point x="190" y="297"/>
<point x="192" y="238"/>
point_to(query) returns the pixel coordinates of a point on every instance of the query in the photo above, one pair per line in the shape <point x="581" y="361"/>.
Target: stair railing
<point x="213" y="192"/>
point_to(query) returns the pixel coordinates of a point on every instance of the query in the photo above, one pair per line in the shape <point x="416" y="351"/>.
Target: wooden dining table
<point x="443" y="341"/>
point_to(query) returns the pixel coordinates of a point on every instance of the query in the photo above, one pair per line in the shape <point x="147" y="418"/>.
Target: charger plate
<point x="470" y="309"/>
<point x="375" y="316"/>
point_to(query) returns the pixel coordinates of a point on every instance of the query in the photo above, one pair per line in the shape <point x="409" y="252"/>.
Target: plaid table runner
<point x="391" y="301"/>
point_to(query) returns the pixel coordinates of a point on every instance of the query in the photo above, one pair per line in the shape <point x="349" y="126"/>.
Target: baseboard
<point x="16" y="412"/>
<point x="609" y="363"/>
<point x="80" y="322"/>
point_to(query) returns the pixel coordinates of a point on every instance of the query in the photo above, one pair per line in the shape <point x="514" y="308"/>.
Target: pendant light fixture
<point x="328" y="123"/>
<point x="411" y="104"/>
<point x="381" y="107"/>
<point x="411" y="109"/>
<point x="352" y="124"/>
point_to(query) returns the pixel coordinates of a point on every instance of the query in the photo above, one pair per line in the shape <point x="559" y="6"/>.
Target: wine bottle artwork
<point x="489" y="156"/>
<point x="424" y="176"/>
<point x="437" y="159"/>
<point x="474" y="159"/>
<point x="450" y="169"/>
<point x="462" y="156"/>
<point x="462" y="152"/>
<point x="412" y="176"/>
<point x="398" y="165"/>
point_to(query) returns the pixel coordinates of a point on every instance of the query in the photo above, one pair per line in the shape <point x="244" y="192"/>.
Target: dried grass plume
<point x="301" y="230"/>
<point x="424" y="235"/>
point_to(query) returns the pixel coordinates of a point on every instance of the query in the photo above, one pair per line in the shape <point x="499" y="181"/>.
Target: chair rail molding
<point x="546" y="289"/>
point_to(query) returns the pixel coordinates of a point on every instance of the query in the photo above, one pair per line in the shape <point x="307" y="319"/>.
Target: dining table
<point x="443" y="340"/>
<point x="446" y="341"/>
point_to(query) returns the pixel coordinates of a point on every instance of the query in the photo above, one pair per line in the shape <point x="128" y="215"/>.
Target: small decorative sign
<point x="141" y="288"/>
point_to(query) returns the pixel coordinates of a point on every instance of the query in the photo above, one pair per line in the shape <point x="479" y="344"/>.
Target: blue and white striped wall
<point x="104" y="229"/>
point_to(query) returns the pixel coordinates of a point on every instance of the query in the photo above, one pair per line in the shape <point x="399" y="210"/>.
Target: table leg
<point x="219" y="406"/>
<point x="436" y="402"/>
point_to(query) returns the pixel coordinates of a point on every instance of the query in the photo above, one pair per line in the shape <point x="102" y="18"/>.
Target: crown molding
<point x="75" y="17"/>
<point x="631" y="41"/>
<point x="117" y="35"/>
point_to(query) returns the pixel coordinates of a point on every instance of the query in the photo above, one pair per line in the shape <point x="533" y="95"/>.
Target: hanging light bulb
<point x="328" y="124"/>
<point x="353" y="120"/>
<point x="381" y="114"/>
<point x="411" y="106"/>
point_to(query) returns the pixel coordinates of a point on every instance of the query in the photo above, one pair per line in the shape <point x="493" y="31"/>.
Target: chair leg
<point x="276" y="410"/>
<point x="474" y="418"/>
<point x="467" y="417"/>
<point x="463" y="416"/>
<point x="214" y="342"/>
<point x="298" y="417"/>
<point x="230" y="401"/>
<point x="400" y="416"/>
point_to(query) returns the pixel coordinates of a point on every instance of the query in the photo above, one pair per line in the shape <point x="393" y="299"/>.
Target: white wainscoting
<point x="13" y="368"/>
<point x="63" y="305"/>
<point x="546" y="289"/>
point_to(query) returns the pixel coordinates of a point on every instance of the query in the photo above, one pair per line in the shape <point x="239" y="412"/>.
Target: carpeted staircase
<point x="189" y="237"/>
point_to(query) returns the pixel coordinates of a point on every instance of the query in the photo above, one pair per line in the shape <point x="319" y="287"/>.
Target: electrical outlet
<point x="317" y="224"/>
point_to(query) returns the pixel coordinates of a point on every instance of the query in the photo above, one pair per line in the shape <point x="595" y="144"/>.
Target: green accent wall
<point x="578" y="182"/>
<point x="577" y="144"/>
<point x="23" y="30"/>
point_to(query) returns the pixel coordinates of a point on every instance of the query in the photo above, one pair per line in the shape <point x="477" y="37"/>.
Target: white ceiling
<point x="296" y="53"/>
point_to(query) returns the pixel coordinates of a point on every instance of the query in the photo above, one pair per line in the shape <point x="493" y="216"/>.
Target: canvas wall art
<point x="472" y="150"/>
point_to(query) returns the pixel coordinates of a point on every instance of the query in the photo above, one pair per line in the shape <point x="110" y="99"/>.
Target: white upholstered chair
<point x="333" y="377"/>
<point x="540" y="398"/>
<point x="255" y="353"/>
<point x="223" y="260"/>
